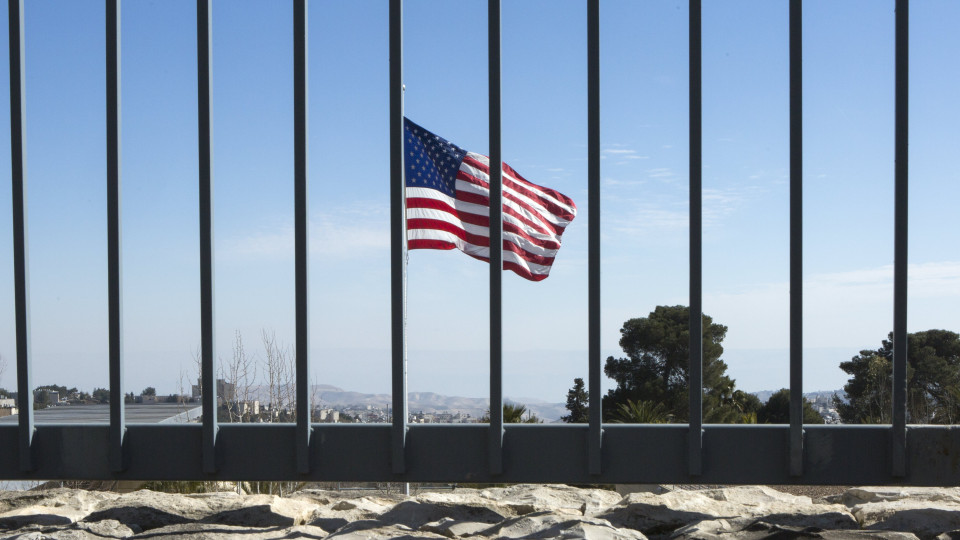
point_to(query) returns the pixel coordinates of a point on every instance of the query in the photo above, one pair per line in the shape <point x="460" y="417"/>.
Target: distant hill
<point x="431" y="402"/>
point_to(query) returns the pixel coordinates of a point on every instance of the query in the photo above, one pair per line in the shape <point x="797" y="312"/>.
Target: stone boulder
<point x="926" y="519"/>
<point x="147" y="509"/>
<point x="863" y="495"/>
<point x="99" y="530"/>
<point x="214" y="531"/>
<point x="928" y="512"/>
<point x="417" y="513"/>
<point x="759" y="530"/>
<point x="263" y="511"/>
<point x="545" y="525"/>
<point x="75" y="499"/>
<point x="339" y="512"/>
<point x="527" y="498"/>
<point x="736" y="506"/>
<point x="452" y="528"/>
<point x="372" y="530"/>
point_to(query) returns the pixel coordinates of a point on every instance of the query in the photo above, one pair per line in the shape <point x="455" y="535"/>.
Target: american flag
<point x="448" y="206"/>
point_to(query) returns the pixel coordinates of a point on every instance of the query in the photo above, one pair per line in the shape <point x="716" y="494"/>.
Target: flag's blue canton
<point x="431" y="161"/>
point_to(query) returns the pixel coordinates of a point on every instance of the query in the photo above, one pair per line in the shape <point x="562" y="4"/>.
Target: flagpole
<point x="398" y="241"/>
<point x="406" y="262"/>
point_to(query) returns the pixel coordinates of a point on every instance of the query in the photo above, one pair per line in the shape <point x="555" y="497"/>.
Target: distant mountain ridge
<point x="431" y="402"/>
<point x="330" y="396"/>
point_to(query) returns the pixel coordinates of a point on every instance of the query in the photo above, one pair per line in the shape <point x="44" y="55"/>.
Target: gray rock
<point x="527" y="498"/>
<point x="76" y="531"/>
<point x="371" y="530"/>
<point x="39" y="515"/>
<point x="925" y="519"/>
<point x="340" y="512"/>
<point x="759" y="530"/>
<point x="872" y="494"/>
<point x="151" y="510"/>
<point x="416" y="513"/>
<point x="263" y="511"/>
<point x="928" y="512"/>
<point x="550" y="525"/>
<point x="452" y="528"/>
<point x="662" y="514"/>
<point x="77" y="499"/>
<point x="214" y="531"/>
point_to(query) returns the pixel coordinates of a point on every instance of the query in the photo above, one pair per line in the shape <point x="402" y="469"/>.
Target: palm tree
<point x="641" y="412"/>
<point x="513" y="414"/>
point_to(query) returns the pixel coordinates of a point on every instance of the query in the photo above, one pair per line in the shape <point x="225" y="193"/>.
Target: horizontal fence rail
<point x="495" y="452"/>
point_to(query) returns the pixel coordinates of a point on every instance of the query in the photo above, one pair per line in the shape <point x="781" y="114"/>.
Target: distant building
<point x="45" y="395"/>
<point x="250" y="407"/>
<point x="8" y="407"/>
<point x="329" y="416"/>
<point x="226" y="392"/>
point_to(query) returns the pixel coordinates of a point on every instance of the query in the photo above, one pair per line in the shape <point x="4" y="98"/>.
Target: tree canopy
<point x="777" y="410"/>
<point x="101" y="395"/>
<point x="578" y="403"/>
<point x="933" y="381"/>
<point x="657" y="349"/>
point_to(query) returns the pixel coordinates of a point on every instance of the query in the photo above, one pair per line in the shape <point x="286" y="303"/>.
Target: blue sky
<point x="848" y="180"/>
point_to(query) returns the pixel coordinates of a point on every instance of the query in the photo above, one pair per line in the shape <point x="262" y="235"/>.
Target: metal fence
<point x="494" y="452"/>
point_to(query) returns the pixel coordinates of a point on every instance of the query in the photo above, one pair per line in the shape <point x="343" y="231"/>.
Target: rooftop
<point x="100" y="414"/>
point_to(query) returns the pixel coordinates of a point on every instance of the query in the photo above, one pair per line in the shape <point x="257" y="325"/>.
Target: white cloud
<point x="624" y="155"/>
<point x="661" y="173"/>
<point x="344" y="234"/>
<point x="614" y="182"/>
<point x="650" y="219"/>
<point x="719" y="204"/>
<point x="851" y="308"/>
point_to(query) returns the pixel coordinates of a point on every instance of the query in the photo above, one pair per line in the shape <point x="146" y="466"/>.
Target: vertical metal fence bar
<point x="301" y="228"/>
<point x="696" y="248"/>
<point x="901" y="117"/>
<point x="208" y="370"/>
<point x="114" y="238"/>
<point x="21" y="273"/>
<point x="593" y="231"/>
<point x="496" y="240"/>
<point x="398" y="239"/>
<point x="796" y="238"/>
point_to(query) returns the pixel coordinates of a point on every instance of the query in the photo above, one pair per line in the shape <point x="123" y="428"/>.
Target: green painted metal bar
<point x="796" y="237"/>
<point x="207" y="340"/>
<point x="114" y="238"/>
<point x="21" y="257"/>
<point x="496" y="241"/>
<point x="593" y="231"/>
<point x="301" y="231"/>
<point x="900" y="253"/>
<point x="695" y="371"/>
<point x="398" y="239"/>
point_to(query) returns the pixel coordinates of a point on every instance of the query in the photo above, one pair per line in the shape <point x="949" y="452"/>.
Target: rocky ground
<point x="521" y="511"/>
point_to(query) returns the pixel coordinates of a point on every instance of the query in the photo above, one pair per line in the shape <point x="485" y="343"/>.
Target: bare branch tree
<point x="242" y="373"/>
<point x="280" y="367"/>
